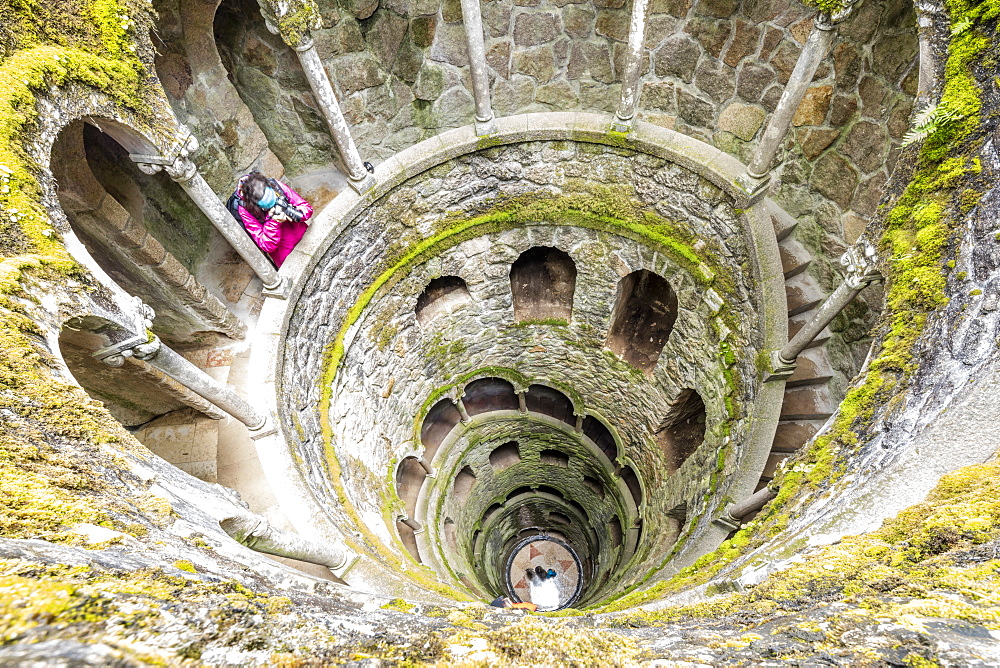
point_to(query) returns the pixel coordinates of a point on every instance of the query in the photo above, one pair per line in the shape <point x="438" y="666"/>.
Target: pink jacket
<point x="275" y="238"/>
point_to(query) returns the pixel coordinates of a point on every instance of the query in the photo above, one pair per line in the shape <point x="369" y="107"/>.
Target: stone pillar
<point x="187" y="374"/>
<point x="816" y="47"/>
<point x="257" y="534"/>
<point x="861" y="272"/>
<point x="522" y="401"/>
<point x="625" y="116"/>
<point x="426" y="466"/>
<point x="461" y="410"/>
<point x="578" y="427"/>
<point x="180" y="168"/>
<point x="292" y="21"/>
<point x="732" y="516"/>
<point x="473" y="20"/>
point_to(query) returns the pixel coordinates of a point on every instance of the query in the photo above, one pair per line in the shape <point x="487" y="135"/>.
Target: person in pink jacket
<point x="275" y="220"/>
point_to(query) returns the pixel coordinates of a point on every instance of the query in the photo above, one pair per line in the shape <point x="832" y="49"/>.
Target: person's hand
<point x="279" y="216"/>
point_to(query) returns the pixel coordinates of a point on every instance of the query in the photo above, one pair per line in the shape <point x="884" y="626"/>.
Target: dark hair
<point x="540" y="572"/>
<point x="251" y="190"/>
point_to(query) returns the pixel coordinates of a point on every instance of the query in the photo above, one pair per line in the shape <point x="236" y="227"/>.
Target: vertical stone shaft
<point x="633" y="68"/>
<point x="205" y="198"/>
<point x="828" y="310"/>
<point x="473" y="20"/>
<point x="813" y="52"/>
<point x="199" y="382"/>
<point x="322" y="89"/>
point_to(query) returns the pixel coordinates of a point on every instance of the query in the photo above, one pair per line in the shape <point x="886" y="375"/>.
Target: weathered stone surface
<point x="865" y="144"/>
<point x="677" y="57"/>
<point x="599" y="96"/>
<point x="847" y="65"/>
<point x="451" y="11"/>
<point x="836" y="178"/>
<point x="384" y="35"/>
<point x="559" y="94"/>
<point x="422" y="30"/>
<point x="534" y="29"/>
<point x="612" y="23"/>
<point x="717" y="8"/>
<point x="496" y="18"/>
<point x="814" y="106"/>
<point x="752" y="80"/>
<point x="449" y="45"/>
<point x="357" y="72"/>
<point x="430" y="82"/>
<point x="716" y="79"/>
<point x="875" y="96"/>
<point x="345" y="37"/>
<point x="742" y="120"/>
<point x="815" y="140"/>
<point x="854" y="227"/>
<point x="657" y="96"/>
<point x="537" y="62"/>
<point x="598" y="59"/>
<point x="678" y="8"/>
<point x="744" y="43"/>
<point x="514" y="94"/>
<point x="712" y="35"/>
<point x="693" y="109"/>
<point x="784" y="59"/>
<point x="869" y="194"/>
<point x="498" y="58"/>
<point x="361" y="9"/>
<point x="842" y="109"/>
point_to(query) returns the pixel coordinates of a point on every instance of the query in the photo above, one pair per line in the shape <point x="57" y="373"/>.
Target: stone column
<point x="522" y="401"/>
<point x="461" y="410"/>
<point x="816" y="47"/>
<point x="187" y="374"/>
<point x="257" y="534"/>
<point x="473" y="20"/>
<point x="625" y="116"/>
<point x="182" y="170"/>
<point x="861" y="272"/>
<point x="732" y="516"/>
<point x="292" y="20"/>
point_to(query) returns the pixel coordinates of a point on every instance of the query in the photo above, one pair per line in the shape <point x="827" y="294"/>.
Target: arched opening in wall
<point x="148" y="236"/>
<point x="505" y="456"/>
<point x="493" y="509"/>
<point x="269" y="79"/>
<point x="520" y="491"/>
<point x="643" y="317"/>
<point x="554" y="458"/>
<point x="683" y="429"/>
<point x="410" y="476"/>
<point x="548" y="401"/>
<point x="464" y="481"/>
<point x="632" y="482"/>
<point x="595" y="486"/>
<point x="545" y="489"/>
<point x="542" y="282"/>
<point x="173" y="422"/>
<point x="441" y="296"/>
<point x="437" y="424"/>
<point x="615" y="532"/>
<point x="559" y="518"/>
<point x="595" y="430"/>
<point x="489" y="394"/>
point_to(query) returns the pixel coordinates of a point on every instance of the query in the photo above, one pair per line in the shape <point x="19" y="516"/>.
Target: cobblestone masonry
<point x="391" y="364"/>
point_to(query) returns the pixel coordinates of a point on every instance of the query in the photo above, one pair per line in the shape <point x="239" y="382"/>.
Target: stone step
<point x="795" y="323"/>
<point x="791" y="435"/>
<point x="795" y="258"/>
<point x="187" y="439"/>
<point x="782" y="221"/>
<point x="812" y="368"/>
<point x="807" y="402"/>
<point x="803" y="293"/>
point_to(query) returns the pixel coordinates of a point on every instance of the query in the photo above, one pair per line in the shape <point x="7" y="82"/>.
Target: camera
<point x="283" y="207"/>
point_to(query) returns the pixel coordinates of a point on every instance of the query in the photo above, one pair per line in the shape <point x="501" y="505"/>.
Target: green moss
<point x="185" y="565"/>
<point x="399" y="605"/>
<point x="542" y="322"/>
<point x="296" y="18"/>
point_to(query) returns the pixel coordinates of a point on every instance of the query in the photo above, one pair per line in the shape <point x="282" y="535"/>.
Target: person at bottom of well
<point x="544" y="592"/>
<point x="275" y="220"/>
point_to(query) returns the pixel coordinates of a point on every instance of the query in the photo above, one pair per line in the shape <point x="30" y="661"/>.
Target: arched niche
<point x="682" y="430"/>
<point x="489" y="394"/>
<point x="542" y="282"/>
<point x="464" y="482"/>
<point x="642" y="319"/>
<point x="410" y="476"/>
<point x="554" y="458"/>
<point x="441" y="296"/>
<point x="632" y="482"/>
<point x="597" y="432"/>
<point x="505" y="456"/>
<point x="145" y="232"/>
<point x="548" y="401"/>
<point x="437" y="424"/>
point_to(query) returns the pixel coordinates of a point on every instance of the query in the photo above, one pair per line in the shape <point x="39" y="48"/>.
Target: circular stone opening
<point x="550" y="555"/>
